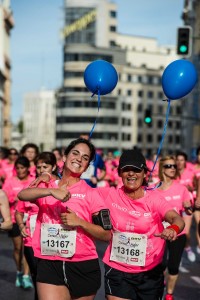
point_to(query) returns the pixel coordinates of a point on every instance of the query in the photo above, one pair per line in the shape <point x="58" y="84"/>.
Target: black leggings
<point x="173" y="254"/>
<point x="32" y="263"/>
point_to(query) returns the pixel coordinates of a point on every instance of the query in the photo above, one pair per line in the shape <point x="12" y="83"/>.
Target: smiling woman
<point x="178" y="197"/>
<point x="133" y="259"/>
<point x="63" y="240"/>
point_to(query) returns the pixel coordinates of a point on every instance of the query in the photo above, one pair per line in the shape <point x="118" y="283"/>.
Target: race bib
<point x="56" y="240"/>
<point x="33" y="219"/>
<point x="129" y="248"/>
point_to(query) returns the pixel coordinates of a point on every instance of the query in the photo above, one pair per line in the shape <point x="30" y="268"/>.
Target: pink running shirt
<point x="142" y="216"/>
<point x="175" y="195"/>
<point x="12" y="186"/>
<point x="84" y="201"/>
<point x="31" y="209"/>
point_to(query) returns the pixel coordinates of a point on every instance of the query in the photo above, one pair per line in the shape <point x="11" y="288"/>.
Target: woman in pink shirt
<point x="196" y="179"/>
<point x="186" y="178"/>
<point x="133" y="259"/>
<point x="30" y="150"/>
<point x="63" y="240"/>
<point x="12" y="187"/>
<point x="6" y="224"/>
<point x="7" y="165"/>
<point x="45" y="163"/>
<point x="178" y="197"/>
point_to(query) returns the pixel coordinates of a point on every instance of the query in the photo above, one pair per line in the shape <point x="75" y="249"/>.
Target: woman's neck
<point x="69" y="179"/>
<point x="166" y="183"/>
<point x="137" y="194"/>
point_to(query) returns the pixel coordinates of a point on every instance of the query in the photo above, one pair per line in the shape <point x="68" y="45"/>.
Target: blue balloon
<point x="100" y="77"/>
<point x="178" y="79"/>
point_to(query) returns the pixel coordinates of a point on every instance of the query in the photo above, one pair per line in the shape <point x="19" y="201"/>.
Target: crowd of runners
<point x="54" y="204"/>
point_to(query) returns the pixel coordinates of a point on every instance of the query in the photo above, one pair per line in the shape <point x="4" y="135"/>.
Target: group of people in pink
<point x="61" y="202"/>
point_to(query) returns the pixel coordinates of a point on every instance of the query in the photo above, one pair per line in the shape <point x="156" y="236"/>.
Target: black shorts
<point x="147" y="285"/>
<point x="14" y="232"/>
<point x="82" y="278"/>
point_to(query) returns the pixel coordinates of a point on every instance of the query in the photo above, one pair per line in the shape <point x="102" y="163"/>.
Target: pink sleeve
<point x="161" y="205"/>
<point x="7" y="187"/>
<point x="97" y="202"/>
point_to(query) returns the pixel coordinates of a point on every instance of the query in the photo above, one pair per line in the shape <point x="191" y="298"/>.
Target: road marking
<point x="196" y="279"/>
<point x="183" y="270"/>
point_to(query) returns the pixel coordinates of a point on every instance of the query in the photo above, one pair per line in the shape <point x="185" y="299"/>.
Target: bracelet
<point x="174" y="227"/>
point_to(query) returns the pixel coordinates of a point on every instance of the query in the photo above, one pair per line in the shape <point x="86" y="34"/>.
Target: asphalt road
<point x="188" y="287"/>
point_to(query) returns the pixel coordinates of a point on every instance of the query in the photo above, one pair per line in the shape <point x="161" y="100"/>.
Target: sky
<point x="36" y="45"/>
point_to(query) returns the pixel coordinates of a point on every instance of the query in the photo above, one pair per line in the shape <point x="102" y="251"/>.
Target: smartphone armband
<point x="103" y="219"/>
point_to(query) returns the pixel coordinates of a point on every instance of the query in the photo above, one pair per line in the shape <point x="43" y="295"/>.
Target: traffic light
<point x="184" y="41"/>
<point x="148" y="116"/>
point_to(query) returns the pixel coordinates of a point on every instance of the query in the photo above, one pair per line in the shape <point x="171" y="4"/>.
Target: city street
<point x="188" y="287"/>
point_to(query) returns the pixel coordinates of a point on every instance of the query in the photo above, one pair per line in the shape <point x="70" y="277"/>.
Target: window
<point x="159" y="138"/>
<point x="160" y="109"/>
<point x="113" y="28"/>
<point x="170" y="139"/>
<point x="150" y="94"/>
<point x="160" y="95"/>
<point x="113" y="14"/>
<point x="129" y="92"/>
<point x="129" y="78"/>
<point x="140" y="107"/>
<point x="139" y="138"/>
<point x="150" y="79"/>
<point x="149" y="138"/>
<point x="169" y="124"/>
<point x="177" y="138"/>
<point x="178" y="125"/>
<point x="140" y="94"/>
<point x="160" y="123"/>
<point x="178" y="110"/>
<point x="112" y="44"/>
<point x="140" y="122"/>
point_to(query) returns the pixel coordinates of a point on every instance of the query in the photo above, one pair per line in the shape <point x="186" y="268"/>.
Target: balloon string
<point x="99" y="104"/>
<point x="162" y="139"/>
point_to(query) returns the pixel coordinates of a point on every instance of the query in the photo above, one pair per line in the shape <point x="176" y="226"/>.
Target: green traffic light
<point x="147" y="120"/>
<point x="183" y="49"/>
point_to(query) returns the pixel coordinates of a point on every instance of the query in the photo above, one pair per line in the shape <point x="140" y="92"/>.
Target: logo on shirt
<point x="80" y="196"/>
<point x="135" y="213"/>
<point x="147" y="215"/>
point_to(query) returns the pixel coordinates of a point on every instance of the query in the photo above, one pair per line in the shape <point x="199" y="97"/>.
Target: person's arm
<point x="44" y="177"/>
<point x="19" y="216"/>
<point x="5" y="212"/>
<point x="176" y="226"/>
<point x="71" y="219"/>
<point x="32" y="194"/>
<point x="197" y="202"/>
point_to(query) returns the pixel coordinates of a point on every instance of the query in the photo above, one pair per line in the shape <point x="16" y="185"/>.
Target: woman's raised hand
<point x="61" y="193"/>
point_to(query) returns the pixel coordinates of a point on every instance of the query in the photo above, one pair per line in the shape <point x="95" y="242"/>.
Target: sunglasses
<point x="170" y="166"/>
<point x="13" y="153"/>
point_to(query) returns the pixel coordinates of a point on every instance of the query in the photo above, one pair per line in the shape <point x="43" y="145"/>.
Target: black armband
<point x="103" y="219"/>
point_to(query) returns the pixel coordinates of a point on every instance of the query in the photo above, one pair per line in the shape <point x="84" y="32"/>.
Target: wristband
<point x="175" y="227"/>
